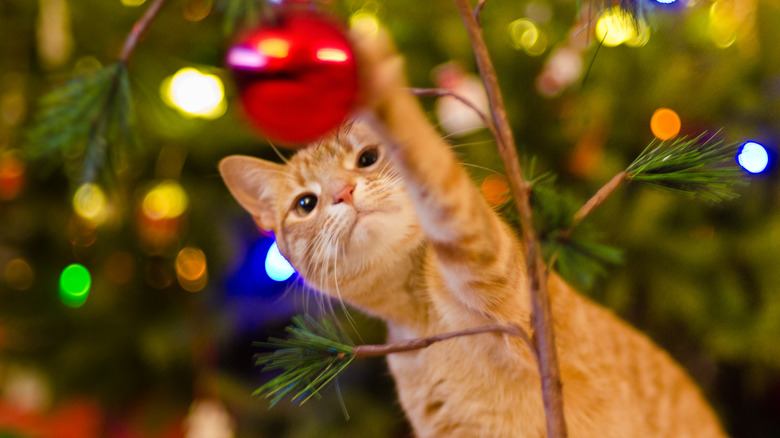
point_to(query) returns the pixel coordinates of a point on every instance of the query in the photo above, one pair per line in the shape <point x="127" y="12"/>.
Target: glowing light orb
<point x="615" y="27"/>
<point x="167" y="200"/>
<point x="276" y="266"/>
<point x="191" y="269"/>
<point x="19" y="275"/>
<point x="365" y="23"/>
<point x="753" y="157"/>
<point x="195" y="94"/>
<point x="724" y="25"/>
<point x="75" y="282"/>
<point x="132" y="3"/>
<point x="665" y="2"/>
<point x="526" y="36"/>
<point x="665" y="124"/>
<point x="495" y="188"/>
<point x="89" y="202"/>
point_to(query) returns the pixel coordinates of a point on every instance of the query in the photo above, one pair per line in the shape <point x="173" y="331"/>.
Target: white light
<point x="276" y="266"/>
<point x="665" y="2"/>
<point x="195" y="94"/>
<point x="753" y="157"/>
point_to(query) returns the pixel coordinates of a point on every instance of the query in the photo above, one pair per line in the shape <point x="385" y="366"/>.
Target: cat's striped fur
<point x="410" y="240"/>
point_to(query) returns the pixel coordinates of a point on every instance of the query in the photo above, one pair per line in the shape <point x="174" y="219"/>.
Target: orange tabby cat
<point x="391" y="223"/>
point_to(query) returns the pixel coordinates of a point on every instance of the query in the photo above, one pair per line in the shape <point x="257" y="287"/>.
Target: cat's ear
<point x="254" y="183"/>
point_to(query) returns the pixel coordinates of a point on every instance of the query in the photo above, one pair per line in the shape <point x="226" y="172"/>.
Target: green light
<point x="74" y="285"/>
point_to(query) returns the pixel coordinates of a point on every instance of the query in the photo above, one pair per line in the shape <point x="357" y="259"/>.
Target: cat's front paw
<point x="381" y="66"/>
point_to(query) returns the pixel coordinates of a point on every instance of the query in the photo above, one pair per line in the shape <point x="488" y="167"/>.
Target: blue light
<point x="276" y="266"/>
<point x="753" y="157"/>
<point x="665" y="2"/>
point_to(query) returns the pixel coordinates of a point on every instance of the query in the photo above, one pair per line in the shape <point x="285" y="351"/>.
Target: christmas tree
<point x="129" y="304"/>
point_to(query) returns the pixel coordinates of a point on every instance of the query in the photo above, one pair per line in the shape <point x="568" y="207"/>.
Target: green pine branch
<point x="310" y="358"/>
<point x="698" y="167"/>
<point x="80" y="119"/>
<point x="315" y="353"/>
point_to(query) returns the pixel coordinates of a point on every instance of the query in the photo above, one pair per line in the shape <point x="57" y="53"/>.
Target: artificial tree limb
<point x="138" y="30"/>
<point x="376" y="350"/>
<point x="541" y="309"/>
<point x="596" y="200"/>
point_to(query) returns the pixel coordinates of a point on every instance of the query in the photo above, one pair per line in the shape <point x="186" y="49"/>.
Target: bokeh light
<point x="616" y="26"/>
<point x="12" y="170"/>
<point x="165" y="201"/>
<point x="665" y="123"/>
<point x="89" y="203"/>
<point x="364" y="22"/>
<point x="724" y="25"/>
<point x="191" y="269"/>
<point x="18" y="274"/>
<point x="195" y="94"/>
<point x="753" y="157"/>
<point x="132" y="3"/>
<point x="75" y="282"/>
<point x="197" y="10"/>
<point x="495" y="188"/>
<point x="528" y="37"/>
<point x="276" y="266"/>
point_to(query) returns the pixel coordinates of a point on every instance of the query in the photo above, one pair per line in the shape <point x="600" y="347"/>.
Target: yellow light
<point x="527" y="37"/>
<point x="332" y="55"/>
<point x="90" y="204"/>
<point x="132" y="3"/>
<point x="19" y="274"/>
<point x="195" y="94"/>
<point x="615" y="27"/>
<point x="274" y="47"/>
<point x="191" y="269"/>
<point x="165" y="201"/>
<point x="365" y="23"/>
<point x="665" y="123"/>
<point x="723" y="25"/>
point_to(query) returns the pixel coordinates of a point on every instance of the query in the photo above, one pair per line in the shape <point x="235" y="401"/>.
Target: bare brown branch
<point x="362" y="351"/>
<point x="541" y="311"/>
<point x="601" y="195"/>
<point x="478" y="9"/>
<point x="138" y="30"/>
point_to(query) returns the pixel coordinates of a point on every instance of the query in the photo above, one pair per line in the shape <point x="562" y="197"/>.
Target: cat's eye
<point x="368" y="157"/>
<point x="305" y="205"/>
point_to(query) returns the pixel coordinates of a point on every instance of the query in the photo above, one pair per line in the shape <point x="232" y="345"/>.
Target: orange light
<point x="665" y="123"/>
<point x="191" y="269"/>
<point x="495" y="188"/>
<point x="274" y="47"/>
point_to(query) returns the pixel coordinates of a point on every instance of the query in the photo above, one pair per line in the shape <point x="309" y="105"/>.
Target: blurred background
<point x="129" y="304"/>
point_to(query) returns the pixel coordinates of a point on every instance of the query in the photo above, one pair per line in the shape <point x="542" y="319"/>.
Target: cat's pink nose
<point x="345" y="195"/>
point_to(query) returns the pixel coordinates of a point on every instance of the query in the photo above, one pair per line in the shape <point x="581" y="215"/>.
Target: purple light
<point x="245" y="58"/>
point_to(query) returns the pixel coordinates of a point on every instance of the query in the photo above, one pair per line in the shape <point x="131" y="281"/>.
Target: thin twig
<point x="541" y="310"/>
<point x="139" y="28"/>
<point x="376" y="350"/>
<point x="478" y="9"/>
<point x="440" y="92"/>
<point x="601" y="195"/>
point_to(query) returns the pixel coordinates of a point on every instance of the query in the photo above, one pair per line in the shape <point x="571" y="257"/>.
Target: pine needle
<point x="84" y="118"/>
<point x="697" y="167"/>
<point x="312" y="356"/>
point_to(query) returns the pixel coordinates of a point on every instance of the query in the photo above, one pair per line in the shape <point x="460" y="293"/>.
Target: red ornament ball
<point x="297" y="76"/>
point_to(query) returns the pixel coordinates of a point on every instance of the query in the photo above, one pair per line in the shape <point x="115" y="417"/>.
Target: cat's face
<point x="337" y="207"/>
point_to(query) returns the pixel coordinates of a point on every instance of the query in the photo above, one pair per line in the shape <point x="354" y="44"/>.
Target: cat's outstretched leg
<point x="476" y="253"/>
